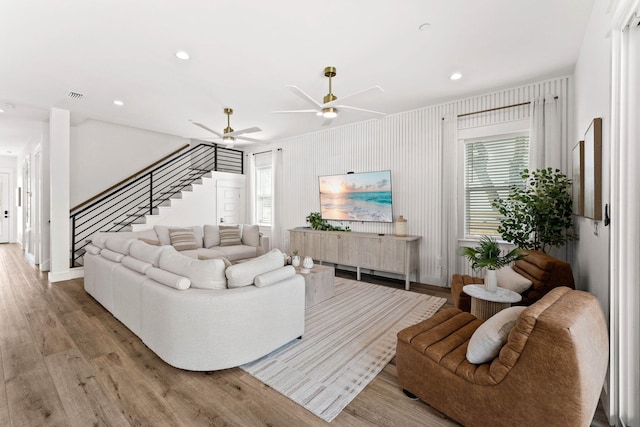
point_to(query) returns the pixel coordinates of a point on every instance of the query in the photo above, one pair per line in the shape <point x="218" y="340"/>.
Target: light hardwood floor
<point x="65" y="361"/>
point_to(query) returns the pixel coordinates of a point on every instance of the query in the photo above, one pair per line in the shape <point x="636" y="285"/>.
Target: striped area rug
<point x="348" y="340"/>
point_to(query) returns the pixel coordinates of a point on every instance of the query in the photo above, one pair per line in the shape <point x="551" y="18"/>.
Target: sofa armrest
<point x="264" y="247"/>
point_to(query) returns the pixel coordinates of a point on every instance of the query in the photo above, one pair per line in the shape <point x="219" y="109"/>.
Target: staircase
<point x="138" y="199"/>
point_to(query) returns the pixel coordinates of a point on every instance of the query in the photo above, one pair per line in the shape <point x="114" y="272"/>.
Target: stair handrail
<point x="132" y="176"/>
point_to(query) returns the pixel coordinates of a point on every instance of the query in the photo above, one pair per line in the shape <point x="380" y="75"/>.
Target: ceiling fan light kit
<point x="330" y="105"/>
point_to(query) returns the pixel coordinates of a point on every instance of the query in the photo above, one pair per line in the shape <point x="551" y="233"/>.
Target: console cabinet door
<point x="321" y="247"/>
<point x="296" y="241"/>
<point x="369" y="252"/>
<point x="393" y="254"/>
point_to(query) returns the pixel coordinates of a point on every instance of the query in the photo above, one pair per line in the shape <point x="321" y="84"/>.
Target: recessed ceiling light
<point x="181" y="54"/>
<point x="118" y="103"/>
<point x="424" y="27"/>
<point x="455" y="76"/>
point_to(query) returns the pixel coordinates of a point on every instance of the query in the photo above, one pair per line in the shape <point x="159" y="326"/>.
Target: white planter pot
<point x="307" y="263"/>
<point x="295" y="261"/>
<point x="490" y="281"/>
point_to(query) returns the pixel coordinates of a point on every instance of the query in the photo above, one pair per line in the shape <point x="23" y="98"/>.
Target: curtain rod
<point x="498" y="108"/>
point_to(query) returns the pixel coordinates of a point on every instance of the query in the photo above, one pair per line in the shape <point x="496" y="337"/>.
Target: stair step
<point x="136" y="219"/>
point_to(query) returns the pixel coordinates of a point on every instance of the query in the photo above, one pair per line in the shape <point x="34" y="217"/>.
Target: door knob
<point x="221" y="220"/>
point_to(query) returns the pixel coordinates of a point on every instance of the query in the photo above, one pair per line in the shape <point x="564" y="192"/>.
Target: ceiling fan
<point x="229" y="136"/>
<point x="330" y="103"/>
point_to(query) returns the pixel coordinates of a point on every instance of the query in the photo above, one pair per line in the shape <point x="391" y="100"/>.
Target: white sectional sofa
<point x="199" y="315"/>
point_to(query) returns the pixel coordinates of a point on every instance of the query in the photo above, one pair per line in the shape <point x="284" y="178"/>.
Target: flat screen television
<point x="364" y="196"/>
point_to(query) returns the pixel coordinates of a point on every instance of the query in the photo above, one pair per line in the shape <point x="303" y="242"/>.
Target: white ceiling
<point x="243" y="53"/>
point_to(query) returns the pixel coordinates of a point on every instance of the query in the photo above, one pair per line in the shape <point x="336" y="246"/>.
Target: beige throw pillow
<point x="229" y="235"/>
<point x="509" y="279"/>
<point x="183" y="239"/>
<point x="488" y="339"/>
<point x="251" y="235"/>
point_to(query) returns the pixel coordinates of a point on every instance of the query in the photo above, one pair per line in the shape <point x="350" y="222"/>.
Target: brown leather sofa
<point x="550" y="372"/>
<point x="545" y="271"/>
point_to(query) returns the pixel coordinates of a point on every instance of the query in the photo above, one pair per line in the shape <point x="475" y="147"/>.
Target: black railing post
<point x="73" y="241"/>
<point x="215" y="157"/>
<point x="150" y="193"/>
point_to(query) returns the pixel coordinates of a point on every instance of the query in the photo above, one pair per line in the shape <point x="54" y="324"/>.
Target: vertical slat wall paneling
<point x="410" y="145"/>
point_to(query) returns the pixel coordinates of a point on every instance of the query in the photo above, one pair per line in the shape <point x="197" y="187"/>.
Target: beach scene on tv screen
<point x="356" y="197"/>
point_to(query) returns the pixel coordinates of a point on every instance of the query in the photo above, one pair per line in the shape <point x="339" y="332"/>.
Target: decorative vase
<point x="295" y="261"/>
<point x="307" y="264"/>
<point x="401" y="226"/>
<point x="490" y="280"/>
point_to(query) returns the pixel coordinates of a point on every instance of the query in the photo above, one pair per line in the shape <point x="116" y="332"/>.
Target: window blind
<point x="264" y="186"/>
<point x="492" y="167"/>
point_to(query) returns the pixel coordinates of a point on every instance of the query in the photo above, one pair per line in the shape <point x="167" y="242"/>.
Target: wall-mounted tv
<point x="362" y="196"/>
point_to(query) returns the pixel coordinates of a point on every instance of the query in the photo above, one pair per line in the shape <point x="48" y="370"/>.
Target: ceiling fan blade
<point x="200" y="125"/>
<point x="296" y="111"/>
<point x="347" y="107"/>
<point x="259" y="141"/>
<point x="362" y="93"/>
<point x="302" y="94"/>
<point x="243" y="131"/>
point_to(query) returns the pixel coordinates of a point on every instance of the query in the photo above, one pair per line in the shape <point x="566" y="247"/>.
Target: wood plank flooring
<point x="65" y="361"/>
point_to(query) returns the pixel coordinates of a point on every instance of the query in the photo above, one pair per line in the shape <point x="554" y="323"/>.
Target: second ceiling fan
<point x="330" y="104"/>
<point x="229" y="136"/>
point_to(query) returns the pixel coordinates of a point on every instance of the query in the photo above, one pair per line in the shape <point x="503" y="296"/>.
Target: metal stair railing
<point x="146" y="192"/>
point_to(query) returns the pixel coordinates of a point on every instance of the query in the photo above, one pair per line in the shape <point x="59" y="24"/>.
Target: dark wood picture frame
<point x="593" y="170"/>
<point x="577" y="187"/>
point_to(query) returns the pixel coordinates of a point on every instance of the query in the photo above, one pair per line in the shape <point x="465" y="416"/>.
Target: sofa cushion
<point x="152" y="242"/>
<point x="244" y="274"/>
<point x="237" y="252"/>
<point x="211" y="236"/>
<point x="163" y="233"/>
<point x="209" y="274"/>
<point x="183" y="239"/>
<point x="136" y="265"/>
<point x="145" y="252"/>
<point x="99" y="239"/>
<point x="251" y="235"/>
<point x="271" y="277"/>
<point x="229" y="235"/>
<point x="111" y="255"/>
<point x="119" y="244"/>
<point x="94" y="250"/>
<point x="227" y="263"/>
<point x="488" y="339"/>
<point x="169" y="279"/>
<point x="509" y="279"/>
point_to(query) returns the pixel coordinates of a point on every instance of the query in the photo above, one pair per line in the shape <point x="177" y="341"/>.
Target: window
<point x="492" y="166"/>
<point x="264" y="179"/>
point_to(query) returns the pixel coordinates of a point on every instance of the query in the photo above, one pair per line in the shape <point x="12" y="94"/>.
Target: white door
<point x="4" y="208"/>
<point x="230" y="204"/>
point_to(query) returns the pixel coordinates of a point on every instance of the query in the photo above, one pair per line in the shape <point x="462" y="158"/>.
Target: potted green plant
<point x="295" y="260"/>
<point x="487" y="256"/>
<point x="317" y="223"/>
<point x="538" y="215"/>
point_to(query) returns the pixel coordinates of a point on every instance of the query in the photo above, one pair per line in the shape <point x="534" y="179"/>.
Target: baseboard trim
<point x="61" y="276"/>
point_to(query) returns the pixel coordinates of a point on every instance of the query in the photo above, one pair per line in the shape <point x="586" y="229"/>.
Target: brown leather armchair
<point x="545" y="271"/>
<point x="550" y="371"/>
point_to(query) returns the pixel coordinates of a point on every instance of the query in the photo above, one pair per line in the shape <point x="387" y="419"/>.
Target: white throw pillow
<point x="509" y="279"/>
<point x="251" y="235"/>
<point x="266" y="279"/>
<point x="211" y="236"/>
<point x="119" y="244"/>
<point x="146" y="252"/>
<point x="244" y="274"/>
<point x="94" y="250"/>
<point x="168" y="279"/>
<point x="136" y="265"/>
<point x="111" y="255"/>
<point x="488" y="339"/>
<point x="207" y="274"/>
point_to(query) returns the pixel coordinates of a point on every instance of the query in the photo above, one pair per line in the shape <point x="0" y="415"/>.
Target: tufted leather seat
<point x="545" y="271"/>
<point x="550" y="372"/>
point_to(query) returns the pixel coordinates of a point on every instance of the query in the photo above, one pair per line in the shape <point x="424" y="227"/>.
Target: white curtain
<point x="449" y="199"/>
<point x="277" y="239"/>
<point x="545" y="142"/>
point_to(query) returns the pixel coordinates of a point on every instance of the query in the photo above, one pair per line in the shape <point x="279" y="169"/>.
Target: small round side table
<point x="485" y="304"/>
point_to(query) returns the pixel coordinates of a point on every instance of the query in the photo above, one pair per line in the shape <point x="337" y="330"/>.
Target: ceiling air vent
<point x="75" y="95"/>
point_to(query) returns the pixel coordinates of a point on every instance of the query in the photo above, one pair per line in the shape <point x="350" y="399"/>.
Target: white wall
<point x="409" y="144"/>
<point x="592" y="80"/>
<point x="103" y="154"/>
